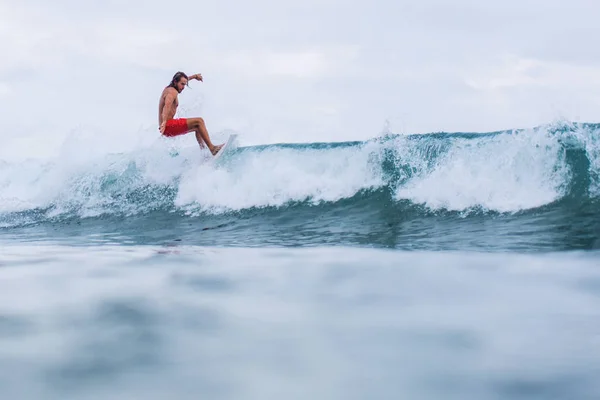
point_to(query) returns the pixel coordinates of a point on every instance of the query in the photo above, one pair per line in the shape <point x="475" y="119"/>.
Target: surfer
<point x="170" y="126"/>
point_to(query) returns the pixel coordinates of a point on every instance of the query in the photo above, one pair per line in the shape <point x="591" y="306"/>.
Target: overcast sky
<point x="294" y="71"/>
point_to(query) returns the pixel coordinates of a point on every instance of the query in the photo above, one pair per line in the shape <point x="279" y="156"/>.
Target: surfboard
<point x="227" y="147"/>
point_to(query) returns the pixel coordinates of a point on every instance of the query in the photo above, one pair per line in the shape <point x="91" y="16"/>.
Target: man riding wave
<point x="174" y="127"/>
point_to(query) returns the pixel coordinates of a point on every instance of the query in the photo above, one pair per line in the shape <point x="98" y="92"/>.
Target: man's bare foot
<point x="216" y="149"/>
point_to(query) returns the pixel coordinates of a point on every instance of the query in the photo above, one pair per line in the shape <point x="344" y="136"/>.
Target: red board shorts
<point x="176" y="127"/>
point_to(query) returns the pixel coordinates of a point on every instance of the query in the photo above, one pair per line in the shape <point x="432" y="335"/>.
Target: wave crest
<point x="506" y="171"/>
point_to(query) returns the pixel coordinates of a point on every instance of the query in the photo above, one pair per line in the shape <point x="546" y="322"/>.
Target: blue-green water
<point x="423" y="267"/>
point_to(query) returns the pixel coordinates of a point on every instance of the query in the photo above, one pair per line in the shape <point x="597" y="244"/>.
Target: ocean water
<point x="443" y="265"/>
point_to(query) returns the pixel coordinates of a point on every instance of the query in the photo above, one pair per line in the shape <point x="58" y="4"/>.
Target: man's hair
<point x="176" y="79"/>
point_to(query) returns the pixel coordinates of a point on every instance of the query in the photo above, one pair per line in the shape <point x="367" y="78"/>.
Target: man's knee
<point x="197" y="122"/>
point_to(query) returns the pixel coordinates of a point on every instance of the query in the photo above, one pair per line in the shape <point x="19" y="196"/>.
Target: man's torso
<point x="162" y="104"/>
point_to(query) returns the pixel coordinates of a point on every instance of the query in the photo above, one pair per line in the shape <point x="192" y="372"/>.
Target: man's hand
<point x="163" y="125"/>
<point x="198" y="77"/>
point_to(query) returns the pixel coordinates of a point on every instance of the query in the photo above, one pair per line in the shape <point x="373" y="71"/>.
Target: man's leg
<point x="198" y="125"/>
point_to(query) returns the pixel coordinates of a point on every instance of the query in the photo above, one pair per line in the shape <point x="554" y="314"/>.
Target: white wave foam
<point x="91" y="182"/>
<point x="276" y="176"/>
<point x="83" y="178"/>
<point x="505" y="173"/>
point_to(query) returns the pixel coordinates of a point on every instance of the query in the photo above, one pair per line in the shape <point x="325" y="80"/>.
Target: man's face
<point x="181" y="84"/>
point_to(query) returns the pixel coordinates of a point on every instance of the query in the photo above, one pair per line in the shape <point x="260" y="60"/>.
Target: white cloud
<point x="298" y="70"/>
<point x="4" y="89"/>
<point x="314" y="63"/>
<point x="528" y="72"/>
<point x="22" y="39"/>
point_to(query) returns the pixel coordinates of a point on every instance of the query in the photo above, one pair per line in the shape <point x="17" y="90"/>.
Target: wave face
<point x="384" y="191"/>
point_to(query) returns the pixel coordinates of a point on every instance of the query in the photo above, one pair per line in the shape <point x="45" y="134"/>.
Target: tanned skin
<point x="167" y="108"/>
